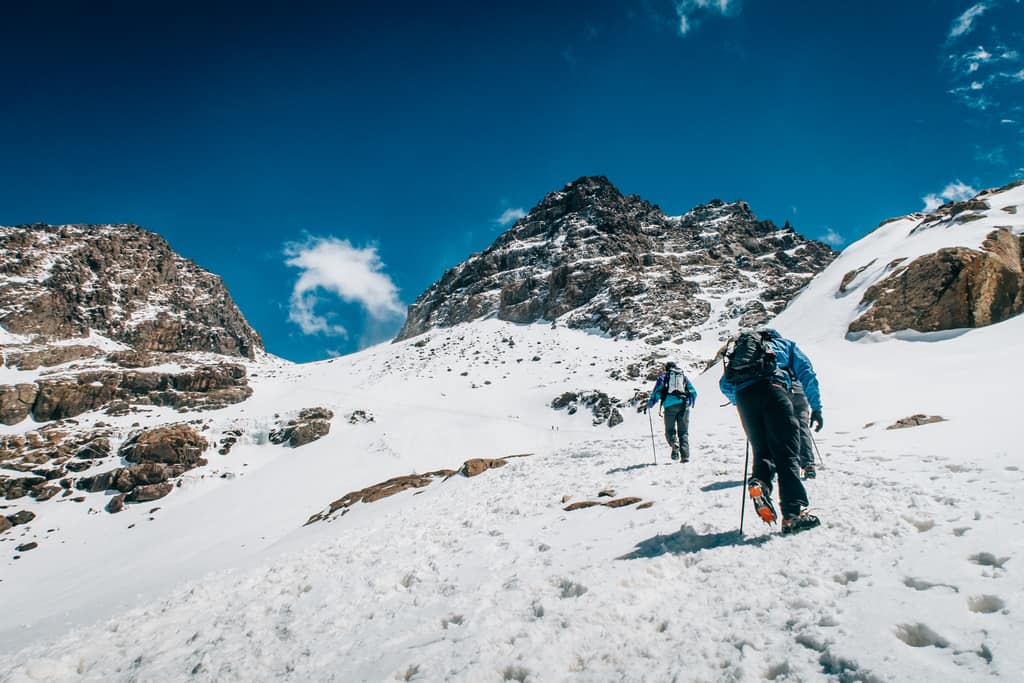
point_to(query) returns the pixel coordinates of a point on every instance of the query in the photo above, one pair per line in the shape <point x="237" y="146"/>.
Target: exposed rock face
<point x="594" y="258"/>
<point x="603" y="407"/>
<point x="58" y="282"/>
<point x="384" y="489"/>
<point x="16" y="402"/>
<point x="205" y="387"/>
<point x="177" y="444"/>
<point x="949" y="289"/>
<point x="312" y="424"/>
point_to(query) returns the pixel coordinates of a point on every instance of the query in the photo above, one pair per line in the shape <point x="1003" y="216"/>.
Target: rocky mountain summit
<point x="120" y="281"/>
<point x="592" y="258"/>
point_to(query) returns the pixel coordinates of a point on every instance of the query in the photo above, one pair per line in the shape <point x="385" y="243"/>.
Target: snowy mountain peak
<point x="592" y="258"/>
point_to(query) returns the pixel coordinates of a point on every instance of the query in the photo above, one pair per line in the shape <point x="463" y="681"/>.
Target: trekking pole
<point x="743" y="487"/>
<point x="821" y="461"/>
<point x="650" y="420"/>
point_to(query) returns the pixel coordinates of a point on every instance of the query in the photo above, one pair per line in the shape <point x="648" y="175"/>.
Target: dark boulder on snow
<point x="311" y="424"/>
<point x="916" y="421"/>
<point x="176" y="444"/>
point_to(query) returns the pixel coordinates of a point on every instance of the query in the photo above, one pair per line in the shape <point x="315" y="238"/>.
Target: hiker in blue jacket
<point x="757" y="378"/>
<point x="677" y="396"/>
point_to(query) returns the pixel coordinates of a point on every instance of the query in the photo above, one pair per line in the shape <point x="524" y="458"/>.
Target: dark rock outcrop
<point x="16" y="402"/>
<point x="470" y="468"/>
<point x="21" y="517"/>
<point x="177" y="444"/>
<point x="916" y="421"/>
<point x="603" y="407"/>
<point x="311" y="424"/>
<point x="598" y="259"/>
<point x="206" y="387"/>
<point x="58" y="282"/>
<point x="950" y="289"/>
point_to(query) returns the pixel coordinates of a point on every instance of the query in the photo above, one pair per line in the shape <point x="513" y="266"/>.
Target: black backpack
<point x="749" y="357"/>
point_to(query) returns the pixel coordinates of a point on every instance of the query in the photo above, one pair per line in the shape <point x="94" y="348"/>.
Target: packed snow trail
<point x="488" y="579"/>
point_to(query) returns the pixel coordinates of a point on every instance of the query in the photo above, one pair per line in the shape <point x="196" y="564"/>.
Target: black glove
<point x="816" y="420"/>
<point x="644" y="410"/>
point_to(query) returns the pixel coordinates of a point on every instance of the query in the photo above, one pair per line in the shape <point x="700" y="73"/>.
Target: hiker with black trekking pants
<point x="677" y="396"/>
<point x="757" y="377"/>
<point x="802" y="409"/>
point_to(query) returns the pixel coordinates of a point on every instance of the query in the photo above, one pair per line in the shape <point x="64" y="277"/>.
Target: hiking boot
<point x="760" y="496"/>
<point x="675" y="453"/>
<point x="810" y="472"/>
<point x="801" y="522"/>
<point x="684" y="457"/>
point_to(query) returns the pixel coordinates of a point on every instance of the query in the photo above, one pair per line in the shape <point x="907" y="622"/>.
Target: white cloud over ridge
<point x="688" y="11"/>
<point x="509" y="216"/>
<point x="334" y="266"/>
<point x="954" y="192"/>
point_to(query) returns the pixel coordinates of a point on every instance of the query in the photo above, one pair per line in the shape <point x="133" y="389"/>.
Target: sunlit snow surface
<point x="915" y="574"/>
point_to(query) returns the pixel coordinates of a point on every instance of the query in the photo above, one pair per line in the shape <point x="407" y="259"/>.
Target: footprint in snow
<point x="922" y="585"/>
<point x="988" y="560"/>
<point x="986" y="604"/>
<point x="920" y="635"/>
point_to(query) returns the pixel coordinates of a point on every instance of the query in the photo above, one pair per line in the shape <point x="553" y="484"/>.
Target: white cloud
<point x="509" y="216"/>
<point x="688" y="10"/>
<point x="965" y="22"/>
<point x="333" y="266"/>
<point x="833" y="238"/>
<point x="954" y="192"/>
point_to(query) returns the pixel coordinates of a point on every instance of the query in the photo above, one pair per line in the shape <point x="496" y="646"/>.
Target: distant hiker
<point x="802" y="410"/>
<point x="757" y="378"/>
<point x="676" y="395"/>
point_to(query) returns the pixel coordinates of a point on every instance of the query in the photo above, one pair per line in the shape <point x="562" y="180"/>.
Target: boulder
<point x="308" y="432"/>
<point x="16" y="402"/>
<point x="178" y="444"/>
<point x="116" y="504"/>
<point x="311" y="424"/>
<point x="21" y="517"/>
<point x="25" y="547"/>
<point x="475" y="466"/>
<point x="5" y="524"/>
<point x="97" y="482"/>
<point x="916" y="421"/>
<point x="950" y="289"/>
<point x="143" y="494"/>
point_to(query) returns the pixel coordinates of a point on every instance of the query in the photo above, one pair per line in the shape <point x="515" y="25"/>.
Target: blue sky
<point x="330" y="162"/>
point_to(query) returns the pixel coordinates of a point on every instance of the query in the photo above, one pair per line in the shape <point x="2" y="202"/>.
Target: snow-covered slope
<point x="913" y="575"/>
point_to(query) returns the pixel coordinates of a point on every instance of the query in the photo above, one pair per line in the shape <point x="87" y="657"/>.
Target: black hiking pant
<point x="802" y="409"/>
<point x="771" y="426"/>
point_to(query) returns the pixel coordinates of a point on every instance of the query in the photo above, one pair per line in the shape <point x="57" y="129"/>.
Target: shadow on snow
<point x="719" y="485"/>
<point x="687" y="540"/>
<point x="630" y="468"/>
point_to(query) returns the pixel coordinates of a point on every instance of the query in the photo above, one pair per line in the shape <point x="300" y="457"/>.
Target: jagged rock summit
<point x="120" y="281"/>
<point x="592" y="258"/>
